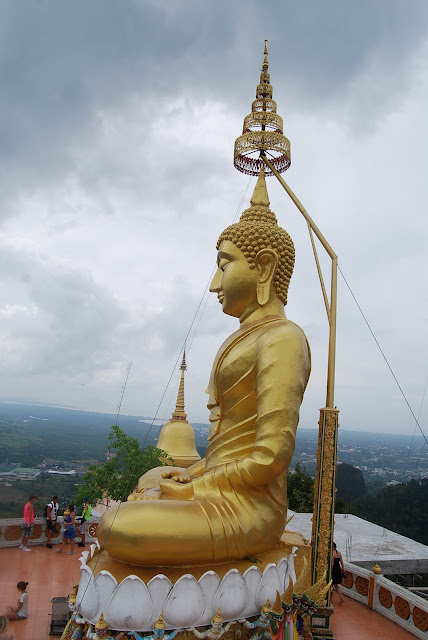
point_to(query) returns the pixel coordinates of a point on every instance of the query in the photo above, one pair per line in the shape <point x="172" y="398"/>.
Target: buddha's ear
<point x="266" y="263"/>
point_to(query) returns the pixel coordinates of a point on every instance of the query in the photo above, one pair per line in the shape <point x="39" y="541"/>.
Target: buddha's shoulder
<point x="285" y="336"/>
<point x="283" y="329"/>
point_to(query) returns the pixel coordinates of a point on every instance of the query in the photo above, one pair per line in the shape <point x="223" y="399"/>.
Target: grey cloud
<point x="60" y="63"/>
<point x="64" y="321"/>
<point x="117" y="162"/>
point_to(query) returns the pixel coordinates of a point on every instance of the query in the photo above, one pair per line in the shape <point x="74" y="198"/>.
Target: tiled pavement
<point x="51" y="574"/>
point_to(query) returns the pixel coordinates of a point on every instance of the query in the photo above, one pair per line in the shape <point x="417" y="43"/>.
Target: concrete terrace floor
<point x="51" y="574"/>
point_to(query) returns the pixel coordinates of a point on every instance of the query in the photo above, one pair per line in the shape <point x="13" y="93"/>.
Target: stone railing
<point x="11" y="532"/>
<point x="387" y="598"/>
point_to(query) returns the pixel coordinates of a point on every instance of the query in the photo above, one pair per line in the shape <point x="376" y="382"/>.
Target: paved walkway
<point x="354" y="621"/>
<point x="51" y="574"/>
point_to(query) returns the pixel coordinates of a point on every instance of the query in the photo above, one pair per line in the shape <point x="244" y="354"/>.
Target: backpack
<point x="45" y="510"/>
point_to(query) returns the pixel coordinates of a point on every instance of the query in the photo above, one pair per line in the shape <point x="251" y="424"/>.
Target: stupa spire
<point x="177" y="437"/>
<point x="262" y="133"/>
<point x="179" y="413"/>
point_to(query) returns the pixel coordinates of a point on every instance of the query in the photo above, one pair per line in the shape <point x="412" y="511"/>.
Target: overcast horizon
<point x="156" y="424"/>
<point x="117" y="127"/>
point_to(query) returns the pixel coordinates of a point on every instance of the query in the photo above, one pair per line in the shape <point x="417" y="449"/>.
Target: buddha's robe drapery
<point x="239" y="506"/>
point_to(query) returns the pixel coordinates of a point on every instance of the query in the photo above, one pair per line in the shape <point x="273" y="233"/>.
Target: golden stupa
<point x="177" y="437"/>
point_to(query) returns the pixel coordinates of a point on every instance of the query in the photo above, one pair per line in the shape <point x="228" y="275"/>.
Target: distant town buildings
<point x="13" y="472"/>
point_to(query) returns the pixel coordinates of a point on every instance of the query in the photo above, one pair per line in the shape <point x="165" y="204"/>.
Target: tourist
<point x="51" y="520"/>
<point x="337" y="572"/>
<point x="20" y="612"/>
<point x="84" y="520"/>
<point x="4" y="633"/>
<point x="69" y="529"/>
<point x="28" y="526"/>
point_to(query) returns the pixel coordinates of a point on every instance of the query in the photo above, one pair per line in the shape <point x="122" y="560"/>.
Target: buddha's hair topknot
<point x="258" y="229"/>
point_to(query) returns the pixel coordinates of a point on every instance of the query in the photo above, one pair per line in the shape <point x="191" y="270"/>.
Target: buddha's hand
<point x="176" y="490"/>
<point x="177" y="476"/>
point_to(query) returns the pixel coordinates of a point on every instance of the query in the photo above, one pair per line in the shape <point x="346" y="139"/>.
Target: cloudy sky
<point x="117" y="126"/>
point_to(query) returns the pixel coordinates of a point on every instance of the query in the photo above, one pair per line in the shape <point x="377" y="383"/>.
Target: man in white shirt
<point x="51" y="520"/>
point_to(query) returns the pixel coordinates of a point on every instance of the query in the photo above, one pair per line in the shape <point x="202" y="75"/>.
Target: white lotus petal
<point x="85" y="554"/>
<point x="184" y="603"/>
<point x="252" y="577"/>
<point x="232" y="595"/>
<point x="159" y="588"/>
<point x="209" y="583"/>
<point x="269" y="585"/>
<point x="105" y="586"/>
<point x="282" y="572"/>
<point x="291" y="571"/>
<point x="87" y="597"/>
<point x="130" y="607"/>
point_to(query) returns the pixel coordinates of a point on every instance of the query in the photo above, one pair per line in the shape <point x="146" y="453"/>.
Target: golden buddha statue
<point x="233" y="504"/>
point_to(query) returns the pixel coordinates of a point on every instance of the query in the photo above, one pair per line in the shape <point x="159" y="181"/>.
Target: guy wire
<point x="193" y="321"/>
<point x="384" y="356"/>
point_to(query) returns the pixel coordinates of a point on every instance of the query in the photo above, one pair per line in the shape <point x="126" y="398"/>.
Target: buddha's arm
<point x="185" y="475"/>
<point x="283" y="365"/>
<point x="197" y="469"/>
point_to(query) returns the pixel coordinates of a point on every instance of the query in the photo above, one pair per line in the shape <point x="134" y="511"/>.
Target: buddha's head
<point x="255" y="258"/>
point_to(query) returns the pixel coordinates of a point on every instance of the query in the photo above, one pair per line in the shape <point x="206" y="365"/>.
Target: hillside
<point x="31" y="433"/>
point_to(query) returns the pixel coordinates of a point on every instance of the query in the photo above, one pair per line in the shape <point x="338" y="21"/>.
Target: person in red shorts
<point x="28" y="526"/>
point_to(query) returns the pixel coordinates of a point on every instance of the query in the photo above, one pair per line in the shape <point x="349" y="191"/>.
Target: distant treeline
<point x="401" y="508"/>
<point x="29" y="434"/>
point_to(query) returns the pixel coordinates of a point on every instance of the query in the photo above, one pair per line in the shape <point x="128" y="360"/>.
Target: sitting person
<point x="20" y="612"/>
<point x="233" y="504"/>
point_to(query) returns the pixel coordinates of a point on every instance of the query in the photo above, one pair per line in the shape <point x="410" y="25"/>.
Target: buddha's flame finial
<point x="262" y="133"/>
<point x="260" y="195"/>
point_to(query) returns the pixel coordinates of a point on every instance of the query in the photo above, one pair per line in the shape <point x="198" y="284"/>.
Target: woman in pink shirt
<point x="28" y="526"/>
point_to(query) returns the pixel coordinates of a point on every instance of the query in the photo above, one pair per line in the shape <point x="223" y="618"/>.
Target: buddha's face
<point x="234" y="281"/>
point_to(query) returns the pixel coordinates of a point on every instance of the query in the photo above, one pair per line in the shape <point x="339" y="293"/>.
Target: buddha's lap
<point x="148" y="532"/>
